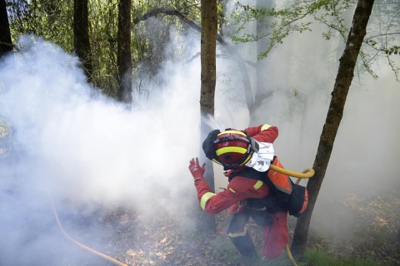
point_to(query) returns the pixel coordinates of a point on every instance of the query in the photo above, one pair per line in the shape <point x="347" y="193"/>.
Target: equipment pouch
<point x="298" y="199"/>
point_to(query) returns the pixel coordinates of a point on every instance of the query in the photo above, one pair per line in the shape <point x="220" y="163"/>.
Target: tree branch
<point x="240" y="61"/>
<point x="172" y="12"/>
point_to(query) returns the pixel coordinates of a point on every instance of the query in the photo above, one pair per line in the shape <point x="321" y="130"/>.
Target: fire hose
<point x="116" y="262"/>
<point x="307" y="173"/>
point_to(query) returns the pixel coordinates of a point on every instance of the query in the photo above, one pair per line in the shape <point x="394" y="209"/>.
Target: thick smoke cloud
<point x="85" y="151"/>
<point x="299" y="76"/>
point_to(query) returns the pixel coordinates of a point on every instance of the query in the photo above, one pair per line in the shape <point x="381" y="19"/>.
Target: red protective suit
<point x="276" y="236"/>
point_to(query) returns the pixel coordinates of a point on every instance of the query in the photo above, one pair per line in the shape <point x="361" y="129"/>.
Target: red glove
<point x="196" y="170"/>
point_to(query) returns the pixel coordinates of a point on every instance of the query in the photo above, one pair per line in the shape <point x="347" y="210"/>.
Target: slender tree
<point x="335" y="113"/>
<point x="208" y="81"/>
<point x="124" y="57"/>
<point x="81" y="36"/>
<point x="5" y="34"/>
<point x="208" y="55"/>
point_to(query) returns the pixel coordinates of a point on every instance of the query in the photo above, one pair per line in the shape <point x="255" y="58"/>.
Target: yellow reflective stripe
<point x="238" y="234"/>
<point x="230" y="149"/>
<point x="205" y="198"/>
<point x="232" y="190"/>
<point x="258" y="184"/>
<point x="247" y="159"/>
<point x="265" y="127"/>
<point x="215" y="161"/>
<point x="233" y="132"/>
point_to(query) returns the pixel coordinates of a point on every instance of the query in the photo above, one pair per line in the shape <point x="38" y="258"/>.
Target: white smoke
<point x="84" y="150"/>
<point x="300" y="75"/>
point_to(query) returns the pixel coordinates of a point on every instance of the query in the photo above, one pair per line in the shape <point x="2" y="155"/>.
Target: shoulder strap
<point x="281" y="181"/>
<point x="262" y="176"/>
<point x="249" y="173"/>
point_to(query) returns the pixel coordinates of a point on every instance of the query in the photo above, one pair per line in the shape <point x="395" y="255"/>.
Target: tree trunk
<point x="124" y="60"/>
<point x="206" y="222"/>
<point x="235" y="54"/>
<point x="5" y="34"/>
<point x="81" y="36"/>
<point x="334" y="116"/>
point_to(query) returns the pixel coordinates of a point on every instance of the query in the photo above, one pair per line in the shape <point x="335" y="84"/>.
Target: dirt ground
<point x="136" y="240"/>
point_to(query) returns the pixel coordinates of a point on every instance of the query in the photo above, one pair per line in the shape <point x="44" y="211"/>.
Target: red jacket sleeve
<point x="238" y="189"/>
<point x="263" y="133"/>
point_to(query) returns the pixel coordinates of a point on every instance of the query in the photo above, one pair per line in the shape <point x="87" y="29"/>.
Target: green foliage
<point x="335" y="15"/>
<point x="314" y="257"/>
<point x="160" y="38"/>
<point x="49" y="19"/>
<point x="103" y="32"/>
<point x="279" y="22"/>
<point x="365" y="63"/>
<point x="188" y="8"/>
<point x="382" y="35"/>
<point x="53" y="21"/>
<point x="298" y="16"/>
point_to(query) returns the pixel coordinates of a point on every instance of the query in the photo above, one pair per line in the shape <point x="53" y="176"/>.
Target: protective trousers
<point x="276" y="235"/>
<point x="240" y="237"/>
<point x="245" y="245"/>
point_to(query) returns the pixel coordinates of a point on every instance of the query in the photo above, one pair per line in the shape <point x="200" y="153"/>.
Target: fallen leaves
<point x="164" y="240"/>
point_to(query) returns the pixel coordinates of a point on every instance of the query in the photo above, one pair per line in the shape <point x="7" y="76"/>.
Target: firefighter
<point x="253" y="190"/>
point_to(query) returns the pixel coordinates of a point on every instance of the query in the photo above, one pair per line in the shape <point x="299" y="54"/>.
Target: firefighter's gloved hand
<point x="196" y="170"/>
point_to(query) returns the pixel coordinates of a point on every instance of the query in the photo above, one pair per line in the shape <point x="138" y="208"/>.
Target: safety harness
<point x="284" y="194"/>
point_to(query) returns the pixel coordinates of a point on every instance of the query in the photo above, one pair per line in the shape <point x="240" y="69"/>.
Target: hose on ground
<point x="116" y="262"/>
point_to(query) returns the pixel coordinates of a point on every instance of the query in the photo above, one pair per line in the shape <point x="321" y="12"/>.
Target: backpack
<point x="291" y="200"/>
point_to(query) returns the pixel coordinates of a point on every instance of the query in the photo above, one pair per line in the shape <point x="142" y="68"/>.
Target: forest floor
<point x="136" y="240"/>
